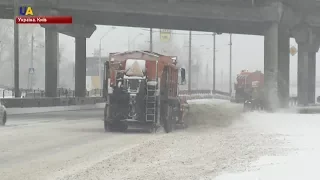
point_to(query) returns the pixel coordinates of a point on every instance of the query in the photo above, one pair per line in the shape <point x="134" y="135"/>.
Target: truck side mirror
<point x="183" y="76"/>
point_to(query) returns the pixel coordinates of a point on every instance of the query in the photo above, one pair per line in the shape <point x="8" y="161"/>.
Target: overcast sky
<point x="247" y="50"/>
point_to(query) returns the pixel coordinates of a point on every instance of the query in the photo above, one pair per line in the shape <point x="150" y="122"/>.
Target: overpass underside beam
<point x="73" y="30"/>
<point x="51" y="62"/>
<point x="276" y="67"/>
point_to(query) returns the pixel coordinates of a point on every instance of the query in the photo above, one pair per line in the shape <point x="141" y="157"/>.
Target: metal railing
<point x="36" y="97"/>
<point x="293" y="101"/>
<point x="66" y="93"/>
<point x="204" y="91"/>
<point x="39" y="93"/>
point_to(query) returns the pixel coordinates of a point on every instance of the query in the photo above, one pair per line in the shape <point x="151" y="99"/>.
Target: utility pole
<point x="222" y="84"/>
<point x="129" y="42"/>
<point x="207" y="73"/>
<point x="230" y="68"/>
<point x="214" y="64"/>
<point x="59" y="61"/>
<point x="16" y="51"/>
<point x="189" y="64"/>
<point x="99" y="64"/>
<point x="74" y="74"/>
<point x="151" y="39"/>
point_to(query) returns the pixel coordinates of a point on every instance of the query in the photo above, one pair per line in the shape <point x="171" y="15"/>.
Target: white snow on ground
<point x="301" y="135"/>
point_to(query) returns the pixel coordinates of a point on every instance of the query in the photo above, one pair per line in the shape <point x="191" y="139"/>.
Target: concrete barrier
<point x="79" y="104"/>
<point x="204" y="96"/>
<point x="70" y="101"/>
<point x="308" y="110"/>
<point x="15" y="111"/>
<point x="49" y="102"/>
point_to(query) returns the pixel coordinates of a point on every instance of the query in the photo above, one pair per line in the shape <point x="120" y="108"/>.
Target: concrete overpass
<point x="276" y="20"/>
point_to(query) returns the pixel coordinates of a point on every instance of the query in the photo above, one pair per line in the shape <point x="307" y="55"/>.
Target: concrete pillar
<point x="308" y="44"/>
<point x="283" y="67"/>
<point x="299" y="77"/>
<point x="51" y="62"/>
<point x="312" y="77"/>
<point x="307" y="72"/>
<point x="80" y="67"/>
<point x="303" y="74"/>
<point x="271" y="67"/>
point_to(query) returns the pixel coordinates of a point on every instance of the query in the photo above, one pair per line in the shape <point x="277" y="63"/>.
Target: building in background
<point x="93" y="72"/>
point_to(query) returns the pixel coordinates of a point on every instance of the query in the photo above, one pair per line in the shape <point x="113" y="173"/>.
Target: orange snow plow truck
<point x="141" y="91"/>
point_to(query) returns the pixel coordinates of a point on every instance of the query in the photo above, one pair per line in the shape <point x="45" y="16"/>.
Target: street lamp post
<point x="31" y="69"/>
<point x="189" y="62"/>
<point x="133" y="40"/>
<point x="16" y="51"/>
<point x="206" y="74"/>
<point x="230" y="66"/>
<point x="100" y="49"/>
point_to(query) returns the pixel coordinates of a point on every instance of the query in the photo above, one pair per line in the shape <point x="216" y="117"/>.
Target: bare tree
<point x="67" y="81"/>
<point x="7" y="54"/>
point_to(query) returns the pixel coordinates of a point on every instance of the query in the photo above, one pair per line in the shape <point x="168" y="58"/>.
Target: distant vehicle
<point x="3" y="115"/>
<point x="249" y="84"/>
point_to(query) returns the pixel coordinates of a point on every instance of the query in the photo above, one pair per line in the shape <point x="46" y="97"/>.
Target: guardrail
<point x="37" y="93"/>
<point x="293" y="101"/>
<point x="49" y="102"/>
<point x="35" y="98"/>
<point x="204" y="91"/>
<point x="203" y="94"/>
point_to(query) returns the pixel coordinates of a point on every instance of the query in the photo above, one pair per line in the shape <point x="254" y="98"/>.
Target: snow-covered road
<point x="220" y="142"/>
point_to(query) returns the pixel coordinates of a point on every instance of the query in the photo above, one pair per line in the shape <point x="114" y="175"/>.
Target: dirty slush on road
<point x="219" y="139"/>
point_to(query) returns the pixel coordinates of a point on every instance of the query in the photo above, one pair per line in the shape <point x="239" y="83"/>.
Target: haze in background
<point x="247" y="53"/>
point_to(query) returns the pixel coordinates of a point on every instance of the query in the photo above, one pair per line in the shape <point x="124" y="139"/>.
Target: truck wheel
<point x="245" y="107"/>
<point x="107" y="126"/>
<point x="106" y="112"/>
<point x="168" y="121"/>
<point x="4" y="119"/>
<point x="122" y="127"/>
